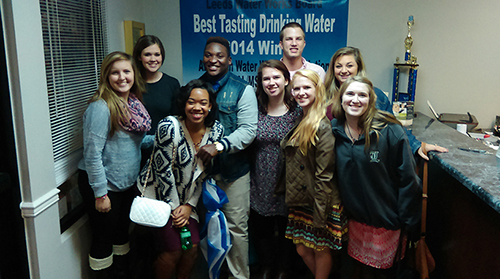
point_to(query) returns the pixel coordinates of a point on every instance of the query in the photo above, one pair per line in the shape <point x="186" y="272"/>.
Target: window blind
<point x="74" y="40"/>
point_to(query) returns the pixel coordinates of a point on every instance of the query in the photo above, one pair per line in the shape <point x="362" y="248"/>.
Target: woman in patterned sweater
<point x="177" y="174"/>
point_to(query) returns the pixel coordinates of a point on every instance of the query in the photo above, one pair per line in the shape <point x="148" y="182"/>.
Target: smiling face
<point x="121" y="78"/>
<point x="197" y="106"/>
<point x="304" y="92"/>
<point x="355" y="99"/>
<point x="273" y="82"/>
<point x="345" y="67"/>
<point x="293" y="42"/>
<point x="151" y="58"/>
<point x="216" y="60"/>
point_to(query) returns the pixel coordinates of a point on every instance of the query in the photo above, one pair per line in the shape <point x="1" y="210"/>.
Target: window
<point x="75" y="43"/>
<point x="74" y="40"/>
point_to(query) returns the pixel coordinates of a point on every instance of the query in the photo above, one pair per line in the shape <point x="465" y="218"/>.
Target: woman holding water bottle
<point x="177" y="175"/>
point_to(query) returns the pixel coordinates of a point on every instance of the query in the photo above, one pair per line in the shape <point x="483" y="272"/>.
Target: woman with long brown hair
<point x="277" y="114"/>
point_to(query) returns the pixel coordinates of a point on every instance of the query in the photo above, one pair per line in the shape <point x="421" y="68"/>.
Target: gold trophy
<point x="409" y="42"/>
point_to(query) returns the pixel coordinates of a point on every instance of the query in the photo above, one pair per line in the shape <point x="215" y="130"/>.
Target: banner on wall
<point x="252" y="28"/>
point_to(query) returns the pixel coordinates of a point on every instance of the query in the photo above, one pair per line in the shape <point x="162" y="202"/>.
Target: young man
<point x="238" y="114"/>
<point x="292" y="42"/>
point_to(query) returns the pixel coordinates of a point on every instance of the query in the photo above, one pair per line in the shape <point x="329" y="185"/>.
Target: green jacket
<point x="309" y="179"/>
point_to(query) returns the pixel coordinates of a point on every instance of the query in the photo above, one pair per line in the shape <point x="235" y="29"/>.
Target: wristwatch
<point x="219" y="147"/>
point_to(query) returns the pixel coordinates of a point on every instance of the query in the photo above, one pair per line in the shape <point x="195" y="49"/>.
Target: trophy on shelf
<point x="403" y="102"/>
<point x="409" y="40"/>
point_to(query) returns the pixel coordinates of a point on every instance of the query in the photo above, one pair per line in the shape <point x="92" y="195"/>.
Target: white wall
<point x="456" y="43"/>
<point x="50" y="254"/>
<point x="160" y="17"/>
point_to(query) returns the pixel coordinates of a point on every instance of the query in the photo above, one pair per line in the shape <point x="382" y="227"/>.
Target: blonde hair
<point x="118" y="109"/>
<point x="305" y="133"/>
<point x="372" y="119"/>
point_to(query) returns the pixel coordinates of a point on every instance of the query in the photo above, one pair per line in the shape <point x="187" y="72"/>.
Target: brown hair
<point x="332" y="85"/>
<point x="262" y="97"/>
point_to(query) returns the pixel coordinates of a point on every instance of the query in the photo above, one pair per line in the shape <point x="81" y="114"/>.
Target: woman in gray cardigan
<point x="113" y="127"/>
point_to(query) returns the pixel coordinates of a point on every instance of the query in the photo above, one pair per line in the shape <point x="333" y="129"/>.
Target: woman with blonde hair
<point x="113" y="127"/>
<point x="315" y="221"/>
<point x="376" y="175"/>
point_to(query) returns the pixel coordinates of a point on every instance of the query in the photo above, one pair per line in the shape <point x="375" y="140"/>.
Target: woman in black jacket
<point x="378" y="184"/>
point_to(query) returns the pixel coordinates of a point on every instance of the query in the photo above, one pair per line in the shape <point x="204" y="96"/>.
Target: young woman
<point x="314" y="220"/>
<point x="348" y="62"/>
<point x="113" y="127"/>
<point x="161" y="89"/>
<point x="277" y="114"/>
<point x="376" y="175"/>
<point x="178" y="176"/>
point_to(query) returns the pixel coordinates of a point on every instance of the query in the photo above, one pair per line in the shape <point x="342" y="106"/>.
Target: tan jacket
<point x="309" y="179"/>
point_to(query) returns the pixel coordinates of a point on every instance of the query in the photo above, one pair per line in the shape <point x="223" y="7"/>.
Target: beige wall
<point x="456" y="43"/>
<point x="160" y="17"/>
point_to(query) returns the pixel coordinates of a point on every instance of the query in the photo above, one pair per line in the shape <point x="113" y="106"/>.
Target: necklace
<point x="350" y="135"/>
<point x="197" y="137"/>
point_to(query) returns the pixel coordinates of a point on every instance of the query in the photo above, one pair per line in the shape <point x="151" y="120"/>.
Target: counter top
<point x="478" y="172"/>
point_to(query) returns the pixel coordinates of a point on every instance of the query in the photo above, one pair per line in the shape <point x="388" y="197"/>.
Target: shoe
<point x="266" y="273"/>
<point x="283" y="275"/>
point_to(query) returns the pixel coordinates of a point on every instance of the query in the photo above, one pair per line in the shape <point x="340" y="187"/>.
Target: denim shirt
<point x="112" y="164"/>
<point x="238" y="114"/>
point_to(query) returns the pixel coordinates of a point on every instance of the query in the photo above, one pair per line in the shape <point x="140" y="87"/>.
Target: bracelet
<point x="101" y="198"/>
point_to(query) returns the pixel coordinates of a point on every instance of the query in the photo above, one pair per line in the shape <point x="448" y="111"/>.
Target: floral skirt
<point x="375" y="247"/>
<point x="300" y="228"/>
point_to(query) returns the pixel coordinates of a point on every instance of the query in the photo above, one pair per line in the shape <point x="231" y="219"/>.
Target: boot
<point x="265" y="253"/>
<point x="120" y="268"/>
<point x="101" y="274"/>
<point x="121" y="258"/>
<point x="101" y="267"/>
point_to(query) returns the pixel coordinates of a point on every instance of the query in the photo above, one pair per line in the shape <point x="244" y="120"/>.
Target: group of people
<point x="310" y="161"/>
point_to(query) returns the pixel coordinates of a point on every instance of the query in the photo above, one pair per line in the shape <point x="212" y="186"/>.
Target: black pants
<point x="109" y="228"/>
<point x="273" y="249"/>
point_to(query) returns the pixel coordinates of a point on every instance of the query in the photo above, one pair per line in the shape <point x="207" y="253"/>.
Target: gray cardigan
<point x="112" y="164"/>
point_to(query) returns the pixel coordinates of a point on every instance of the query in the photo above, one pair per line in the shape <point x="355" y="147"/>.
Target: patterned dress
<point x="268" y="164"/>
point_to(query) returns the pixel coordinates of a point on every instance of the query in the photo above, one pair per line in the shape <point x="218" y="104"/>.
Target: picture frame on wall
<point x="133" y="31"/>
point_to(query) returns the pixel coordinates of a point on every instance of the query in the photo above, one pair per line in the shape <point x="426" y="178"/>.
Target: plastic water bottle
<point x="186" y="239"/>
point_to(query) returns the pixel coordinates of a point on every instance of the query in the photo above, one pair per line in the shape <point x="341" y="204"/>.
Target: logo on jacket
<point x="374" y="157"/>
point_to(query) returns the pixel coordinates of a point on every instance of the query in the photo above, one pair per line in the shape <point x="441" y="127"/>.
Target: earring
<point x="209" y="110"/>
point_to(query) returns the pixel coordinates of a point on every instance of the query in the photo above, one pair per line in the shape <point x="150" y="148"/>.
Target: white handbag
<point x="147" y="211"/>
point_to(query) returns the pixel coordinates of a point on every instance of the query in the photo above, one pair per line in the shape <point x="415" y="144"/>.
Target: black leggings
<point x="109" y="228"/>
<point x="273" y="249"/>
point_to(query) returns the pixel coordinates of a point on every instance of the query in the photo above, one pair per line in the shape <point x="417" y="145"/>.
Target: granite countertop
<point x="478" y="172"/>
